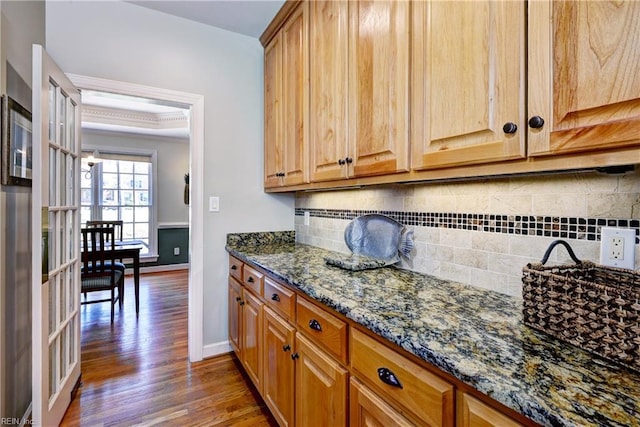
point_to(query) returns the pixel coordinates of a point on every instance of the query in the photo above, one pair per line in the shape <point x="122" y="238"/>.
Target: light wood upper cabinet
<point x="468" y="82"/>
<point x="286" y="103"/>
<point x="328" y="103"/>
<point x="378" y="87"/>
<point x="359" y="88"/>
<point x="584" y="75"/>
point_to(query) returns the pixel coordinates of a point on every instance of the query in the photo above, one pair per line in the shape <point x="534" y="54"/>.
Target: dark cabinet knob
<point x="275" y="297"/>
<point x="341" y="162"/>
<point x="238" y="299"/>
<point x="294" y="356"/>
<point x="510" y="127"/>
<point x="241" y="302"/>
<point x="234" y="267"/>
<point x="286" y="347"/>
<point x="388" y="377"/>
<point x="280" y="174"/>
<point x="315" y="325"/>
<point x="536" y="122"/>
<point x="250" y="279"/>
<point x="349" y="160"/>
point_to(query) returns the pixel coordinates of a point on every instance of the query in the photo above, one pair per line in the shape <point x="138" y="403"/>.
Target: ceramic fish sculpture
<point x="375" y="241"/>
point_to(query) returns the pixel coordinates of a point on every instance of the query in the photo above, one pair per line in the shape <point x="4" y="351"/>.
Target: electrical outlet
<point x="617" y="247"/>
<point x="176" y="251"/>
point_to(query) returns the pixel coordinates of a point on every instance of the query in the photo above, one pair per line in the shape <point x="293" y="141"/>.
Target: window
<point x="120" y="187"/>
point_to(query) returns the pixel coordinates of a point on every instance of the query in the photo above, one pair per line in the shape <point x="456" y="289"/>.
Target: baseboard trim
<point x="160" y="268"/>
<point x="216" y="349"/>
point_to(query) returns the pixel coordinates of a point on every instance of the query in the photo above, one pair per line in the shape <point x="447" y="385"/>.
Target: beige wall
<point x="487" y="259"/>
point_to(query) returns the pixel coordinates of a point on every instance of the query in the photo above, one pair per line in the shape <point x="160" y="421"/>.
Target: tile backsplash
<point x="483" y="232"/>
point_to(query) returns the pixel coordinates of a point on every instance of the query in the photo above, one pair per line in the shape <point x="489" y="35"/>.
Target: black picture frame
<point x="17" y="143"/>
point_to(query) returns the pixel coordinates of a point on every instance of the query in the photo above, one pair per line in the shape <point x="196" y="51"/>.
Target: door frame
<point x="196" y="184"/>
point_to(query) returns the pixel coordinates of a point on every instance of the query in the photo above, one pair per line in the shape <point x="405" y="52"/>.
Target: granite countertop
<point x="475" y="335"/>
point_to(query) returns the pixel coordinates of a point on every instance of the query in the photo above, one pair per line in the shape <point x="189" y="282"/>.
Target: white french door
<point x="55" y="244"/>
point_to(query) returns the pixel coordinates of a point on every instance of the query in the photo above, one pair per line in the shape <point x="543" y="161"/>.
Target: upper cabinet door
<point x="295" y="96"/>
<point x="273" y="141"/>
<point x="584" y="75"/>
<point x="378" y="87"/>
<point x="468" y="82"/>
<point x="328" y="89"/>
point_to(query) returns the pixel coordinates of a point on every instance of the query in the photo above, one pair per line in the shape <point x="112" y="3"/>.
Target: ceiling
<point x="240" y="16"/>
<point x="117" y="113"/>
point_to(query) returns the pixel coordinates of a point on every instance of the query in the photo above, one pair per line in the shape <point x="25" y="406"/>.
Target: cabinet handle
<point x="510" y="127"/>
<point x="286" y="347"/>
<point x="234" y="267"/>
<point x="349" y="160"/>
<point x="250" y="279"/>
<point x="294" y="356"/>
<point x="238" y="299"/>
<point x="281" y="174"/>
<point x="241" y="302"/>
<point x="275" y="297"/>
<point x="388" y="377"/>
<point x="341" y="162"/>
<point x="536" y="122"/>
<point x="315" y="325"/>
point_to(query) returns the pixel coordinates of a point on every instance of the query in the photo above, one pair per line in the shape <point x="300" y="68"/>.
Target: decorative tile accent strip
<point x="525" y="225"/>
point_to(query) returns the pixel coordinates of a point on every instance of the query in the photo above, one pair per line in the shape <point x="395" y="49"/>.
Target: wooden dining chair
<point x="97" y="272"/>
<point x="117" y="226"/>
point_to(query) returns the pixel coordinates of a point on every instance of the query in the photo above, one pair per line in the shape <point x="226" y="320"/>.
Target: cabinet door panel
<point x="235" y="333"/>
<point x="328" y="60"/>
<point x="295" y="97"/>
<point x="473" y="413"/>
<point x="273" y="140"/>
<point x="321" y="387"/>
<point x="278" y="367"/>
<point x="379" y="86"/>
<point x="468" y="82"/>
<point x="369" y="410"/>
<point x="252" y="338"/>
<point x="584" y="75"/>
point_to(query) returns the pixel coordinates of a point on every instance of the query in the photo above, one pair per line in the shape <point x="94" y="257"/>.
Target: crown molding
<point x="134" y="119"/>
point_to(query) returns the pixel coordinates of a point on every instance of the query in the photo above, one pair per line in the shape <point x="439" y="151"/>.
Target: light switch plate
<point x="617" y="247"/>
<point x="214" y="204"/>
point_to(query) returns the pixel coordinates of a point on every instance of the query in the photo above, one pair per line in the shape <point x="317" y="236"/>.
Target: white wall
<point x="172" y="164"/>
<point x="129" y="43"/>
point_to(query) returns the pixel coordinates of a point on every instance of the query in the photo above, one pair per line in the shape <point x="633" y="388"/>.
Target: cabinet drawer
<point x="324" y="328"/>
<point x="279" y="297"/>
<point x="424" y="394"/>
<point x="235" y="268"/>
<point x="252" y="279"/>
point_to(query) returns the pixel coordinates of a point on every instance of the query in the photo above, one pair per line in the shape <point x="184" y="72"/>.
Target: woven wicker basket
<point x="591" y="306"/>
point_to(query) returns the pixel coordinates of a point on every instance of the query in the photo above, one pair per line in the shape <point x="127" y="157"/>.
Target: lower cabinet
<point x="252" y="348"/>
<point x="367" y="409"/>
<point x="321" y="387"/>
<point x="279" y="367"/>
<point x="313" y="368"/>
<point x="471" y="412"/>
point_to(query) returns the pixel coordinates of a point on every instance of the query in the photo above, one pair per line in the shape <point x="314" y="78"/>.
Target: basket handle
<point x="555" y="243"/>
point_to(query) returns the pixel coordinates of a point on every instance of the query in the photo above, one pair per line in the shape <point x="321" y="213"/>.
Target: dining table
<point x="131" y="250"/>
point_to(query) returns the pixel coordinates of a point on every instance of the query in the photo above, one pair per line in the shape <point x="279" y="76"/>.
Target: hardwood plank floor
<point x="137" y="372"/>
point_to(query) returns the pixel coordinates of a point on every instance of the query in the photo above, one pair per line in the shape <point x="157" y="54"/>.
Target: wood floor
<point x="136" y="371"/>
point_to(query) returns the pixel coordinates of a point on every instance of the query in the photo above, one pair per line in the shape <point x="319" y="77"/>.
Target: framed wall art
<point x="17" y="144"/>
